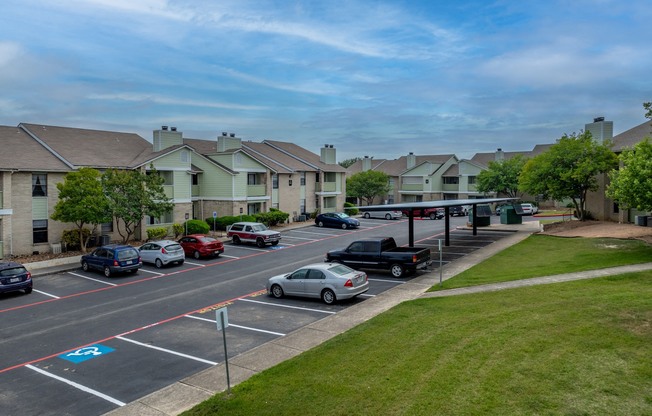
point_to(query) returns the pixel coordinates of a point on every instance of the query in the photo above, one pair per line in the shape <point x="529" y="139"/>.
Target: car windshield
<point x="127" y="254"/>
<point x="206" y="239"/>
<point x="342" y="215"/>
<point x="13" y="271"/>
<point x="258" y="227"/>
<point x="340" y="270"/>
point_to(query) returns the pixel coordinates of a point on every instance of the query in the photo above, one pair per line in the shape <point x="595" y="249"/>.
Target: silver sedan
<point x="161" y="253"/>
<point x="329" y="282"/>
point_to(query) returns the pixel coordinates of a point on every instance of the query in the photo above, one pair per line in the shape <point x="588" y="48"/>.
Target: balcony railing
<point x="327" y="187"/>
<point x="412" y="187"/>
<point x="195" y="190"/>
<point x="256" y="190"/>
<point x="169" y="191"/>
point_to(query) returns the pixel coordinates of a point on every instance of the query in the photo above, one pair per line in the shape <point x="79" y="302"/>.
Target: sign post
<point x="441" y="263"/>
<point x="222" y="323"/>
<point x="187" y="216"/>
<point x="214" y="217"/>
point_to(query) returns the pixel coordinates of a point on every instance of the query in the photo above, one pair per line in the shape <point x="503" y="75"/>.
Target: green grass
<point x="543" y="255"/>
<point x="575" y="348"/>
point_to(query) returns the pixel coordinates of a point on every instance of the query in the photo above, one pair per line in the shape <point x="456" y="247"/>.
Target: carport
<point x="419" y="207"/>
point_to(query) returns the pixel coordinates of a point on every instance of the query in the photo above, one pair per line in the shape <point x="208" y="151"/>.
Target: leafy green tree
<point x="502" y="177"/>
<point x="648" y="107"/>
<point x="348" y="162"/>
<point x="568" y="170"/>
<point x="631" y="185"/>
<point x="367" y="185"/>
<point x="82" y="202"/>
<point x="132" y="195"/>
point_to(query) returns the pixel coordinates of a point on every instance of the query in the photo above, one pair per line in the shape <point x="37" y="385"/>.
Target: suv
<point x="458" y="210"/>
<point x="112" y="258"/>
<point x="252" y="232"/>
<point x="14" y="276"/>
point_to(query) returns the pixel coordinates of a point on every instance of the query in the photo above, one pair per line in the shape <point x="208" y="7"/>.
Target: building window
<point x="290" y="182"/>
<point x="303" y="179"/>
<point x="251" y="179"/>
<point x="40" y="231"/>
<point x="40" y="185"/>
<point x="451" y="180"/>
<point x="167" y="218"/>
<point x="184" y="156"/>
<point x="472" y="180"/>
<point x="302" y="206"/>
<point x="274" y="181"/>
<point x="107" y="227"/>
<point x="195" y="179"/>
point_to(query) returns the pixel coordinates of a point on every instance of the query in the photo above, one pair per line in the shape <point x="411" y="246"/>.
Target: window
<point x="251" y="179"/>
<point x="195" y="179"/>
<point x="183" y="157"/>
<point x="451" y="180"/>
<point x="290" y="182"/>
<point x="303" y="179"/>
<point x="107" y="227"/>
<point x="40" y="185"/>
<point x="39" y="231"/>
<point x="274" y="181"/>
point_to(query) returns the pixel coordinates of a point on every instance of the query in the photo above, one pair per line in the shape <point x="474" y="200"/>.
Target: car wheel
<point x="236" y="239"/>
<point x="84" y="266"/>
<point x="344" y="226"/>
<point x="196" y="254"/>
<point x="28" y="290"/>
<point x="276" y="291"/>
<point x="260" y="242"/>
<point x="433" y="216"/>
<point x="180" y="262"/>
<point x="388" y="216"/>
<point x="320" y="224"/>
<point x="397" y="270"/>
<point x="107" y="271"/>
<point x="328" y="296"/>
<point x="274" y="243"/>
<point x="158" y="263"/>
<point x="367" y="215"/>
<point x="133" y="271"/>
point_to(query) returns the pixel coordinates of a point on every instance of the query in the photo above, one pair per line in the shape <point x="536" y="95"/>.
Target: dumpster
<point x="509" y="215"/>
<point x="483" y="216"/>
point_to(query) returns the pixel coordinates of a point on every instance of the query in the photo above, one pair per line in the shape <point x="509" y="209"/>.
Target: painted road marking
<point x="46" y="294"/>
<point x="229" y="257"/>
<point x="154" y="347"/>
<point x="237" y="326"/>
<point x="90" y="278"/>
<point x="152" y="272"/>
<point x="398" y="282"/>
<point x="77" y="386"/>
<point x="287" y="306"/>
<point x="195" y="264"/>
<point x="312" y="232"/>
<point x="86" y="353"/>
<point x="299" y="238"/>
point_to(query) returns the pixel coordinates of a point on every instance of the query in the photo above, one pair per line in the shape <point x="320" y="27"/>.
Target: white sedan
<point x="329" y="282"/>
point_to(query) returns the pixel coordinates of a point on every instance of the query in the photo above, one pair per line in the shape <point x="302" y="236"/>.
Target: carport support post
<point x="226" y="356"/>
<point x="411" y="229"/>
<point x="475" y="219"/>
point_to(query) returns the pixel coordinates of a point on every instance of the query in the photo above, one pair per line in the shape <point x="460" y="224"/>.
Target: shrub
<point x="156" y="233"/>
<point x="71" y="238"/>
<point x="221" y="223"/>
<point x="213" y="223"/>
<point x="178" y="230"/>
<point x="196" y="227"/>
<point x="273" y="217"/>
<point x="350" y="211"/>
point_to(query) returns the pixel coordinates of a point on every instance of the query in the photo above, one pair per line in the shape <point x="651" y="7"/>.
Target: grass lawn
<point x="543" y="255"/>
<point x="576" y="348"/>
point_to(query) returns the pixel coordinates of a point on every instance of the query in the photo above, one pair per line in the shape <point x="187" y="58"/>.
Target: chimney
<point x="600" y="129"/>
<point x="327" y="154"/>
<point x="499" y="155"/>
<point x="411" y="160"/>
<point x="165" y="138"/>
<point x="228" y="141"/>
<point x="366" y="163"/>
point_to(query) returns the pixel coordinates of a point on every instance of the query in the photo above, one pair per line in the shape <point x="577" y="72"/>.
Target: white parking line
<point x="229" y="257"/>
<point x="366" y="295"/>
<point x="398" y="282"/>
<point x="300" y="238"/>
<point x="46" y="294"/>
<point x="249" y="248"/>
<point x="149" y="271"/>
<point x="90" y="278"/>
<point x="311" y="232"/>
<point x="154" y="347"/>
<point x="195" y="264"/>
<point x="237" y="326"/>
<point x="287" y="306"/>
<point x="77" y="386"/>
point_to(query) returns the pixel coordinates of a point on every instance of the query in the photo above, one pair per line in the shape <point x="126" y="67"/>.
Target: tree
<point x="568" y="170"/>
<point x="82" y="202"/>
<point x="502" y="177"/>
<point x="367" y="185"/>
<point x="631" y="185"/>
<point x="133" y="194"/>
<point x="348" y="162"/>
<point x="648" y="107"/>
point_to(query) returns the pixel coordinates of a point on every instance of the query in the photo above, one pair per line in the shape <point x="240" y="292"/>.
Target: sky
<point x="372" y="78"/>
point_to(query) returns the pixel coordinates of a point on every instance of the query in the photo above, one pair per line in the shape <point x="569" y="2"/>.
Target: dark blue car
<point x="112" y="259"/>
<point x="14" y="276"/>
<point x="336" y="219"/>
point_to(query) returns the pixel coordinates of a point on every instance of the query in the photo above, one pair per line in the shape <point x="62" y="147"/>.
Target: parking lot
<point x="83" y="344"/>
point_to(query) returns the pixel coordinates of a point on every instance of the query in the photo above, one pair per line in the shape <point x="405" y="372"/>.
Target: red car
<point x="199" y="245"/>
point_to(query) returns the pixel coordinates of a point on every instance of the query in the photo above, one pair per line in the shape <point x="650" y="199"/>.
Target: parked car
<point x="161" y="253"/>
<point x="112" y="259"/>
<point x="381" y="253"/>
<point x="336" y="219"/>
<point x="14" y="276"/>
<point x="432" y="213"/>
<point x="325" y="281"/>
<point x="458" y="210"/>
<point x="200" y="245"/>
<point x="388" y="215"/>
<point x="529" y="209"/>
<point x="253" y="232"/>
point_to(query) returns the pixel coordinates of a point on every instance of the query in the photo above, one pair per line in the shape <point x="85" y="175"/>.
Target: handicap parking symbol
<point x="86" y="353"/>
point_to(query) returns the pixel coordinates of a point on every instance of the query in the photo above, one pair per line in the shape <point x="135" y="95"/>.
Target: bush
<point x="71" y="238"/>
<point x="350" y="211"/>
<point x="273" y="217"/>
<point x="196" y="227"/>
<point x="178" y="230"/>
<point x="156" y="233"/>
<point x="221" y="223"/>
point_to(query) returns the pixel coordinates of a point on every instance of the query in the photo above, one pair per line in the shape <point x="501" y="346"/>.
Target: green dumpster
<point x="509" y="215"/>
<point x="483" y="216"/>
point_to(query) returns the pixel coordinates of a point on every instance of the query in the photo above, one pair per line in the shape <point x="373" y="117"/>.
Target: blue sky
<point x="376" y="78"/>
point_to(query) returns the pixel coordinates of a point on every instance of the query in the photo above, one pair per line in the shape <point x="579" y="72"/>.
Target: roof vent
<point x="500" y="149"/>
<point x="164" y="128"/>
<point x="224" y="134"/>
<point x="232" y="135"/>
<point x="598" y="119"/>
<point x="173" y="128"/>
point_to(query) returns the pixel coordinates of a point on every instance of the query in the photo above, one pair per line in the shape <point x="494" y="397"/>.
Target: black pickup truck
<point x="381" y="253"/>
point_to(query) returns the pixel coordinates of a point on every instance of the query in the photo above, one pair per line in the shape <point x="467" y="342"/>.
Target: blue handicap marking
<point x="277" y="247"/>
<point x="86" y="353"/>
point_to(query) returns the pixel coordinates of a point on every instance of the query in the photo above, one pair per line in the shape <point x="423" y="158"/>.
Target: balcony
<point x="256" y="190"/>
<point x="412" y="187"/>
<point x="326" y="187"/>
<point x="169" y="191"/>
<point x="195" y="191"/>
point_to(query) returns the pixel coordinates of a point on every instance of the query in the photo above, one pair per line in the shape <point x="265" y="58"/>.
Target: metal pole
<point x="226" y="357"/>
<point x="441" y="263"/>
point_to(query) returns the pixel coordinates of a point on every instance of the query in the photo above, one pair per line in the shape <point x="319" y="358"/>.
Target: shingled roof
<point x="632" y="136"/>
<point x="22" y="153"/>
